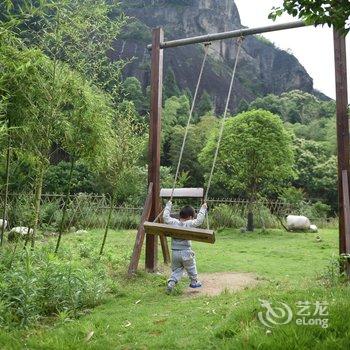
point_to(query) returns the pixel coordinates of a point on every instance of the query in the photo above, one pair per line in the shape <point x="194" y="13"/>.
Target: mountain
<point x="262" y="68"/>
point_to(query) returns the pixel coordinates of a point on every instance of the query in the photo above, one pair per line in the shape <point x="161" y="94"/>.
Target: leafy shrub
<point x="332" y="275"/>
<point x="125" y="220"/>
<point x="50" y="213"/>
<point x="20" y="210"/>
<point x="235" y="216"/>
<point x="320" y="210"/>
<point x="57" y="178"/>
<point x="263" y="218"/>
<point x="226" y="216"/>
<point x="38" y="284"/>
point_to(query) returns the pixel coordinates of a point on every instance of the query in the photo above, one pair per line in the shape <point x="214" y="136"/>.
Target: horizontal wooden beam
<point x="182" y="192"/>
<point x="193" y="234"/>
<point x="231" y="34"/>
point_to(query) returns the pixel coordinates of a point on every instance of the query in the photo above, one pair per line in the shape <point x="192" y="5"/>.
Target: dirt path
<point x="216" y="283"/>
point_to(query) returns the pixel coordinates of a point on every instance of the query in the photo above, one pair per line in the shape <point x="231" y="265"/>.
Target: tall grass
<point x="37" y="284"/>
<point x="235" y="216"/>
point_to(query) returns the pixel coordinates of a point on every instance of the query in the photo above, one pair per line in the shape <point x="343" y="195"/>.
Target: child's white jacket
<point x="182" y="244"/>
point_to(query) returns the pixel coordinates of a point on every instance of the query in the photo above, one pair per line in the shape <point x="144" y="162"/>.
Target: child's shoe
<point x="195" y="284"/>
<point x="170" y="287"/>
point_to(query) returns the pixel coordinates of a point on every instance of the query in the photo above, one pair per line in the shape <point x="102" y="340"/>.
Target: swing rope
<point x="221" y="127"/>
<point x="206" y="49"/>
<point x="223" y="120"/>
<point x="189" y="119"/>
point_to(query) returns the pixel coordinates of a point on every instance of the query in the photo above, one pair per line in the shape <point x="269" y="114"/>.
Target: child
<point x="182" y="254"/>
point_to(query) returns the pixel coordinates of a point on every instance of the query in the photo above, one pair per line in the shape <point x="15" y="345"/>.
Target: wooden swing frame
<point x="153" y="201"/>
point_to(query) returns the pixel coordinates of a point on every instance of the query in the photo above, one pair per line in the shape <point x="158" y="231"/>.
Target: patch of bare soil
<point x="218" y="282"/>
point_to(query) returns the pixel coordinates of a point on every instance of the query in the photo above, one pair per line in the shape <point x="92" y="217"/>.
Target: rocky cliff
<point x="262" y="67"/>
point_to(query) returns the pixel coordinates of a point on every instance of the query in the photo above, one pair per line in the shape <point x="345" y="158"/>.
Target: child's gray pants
<point x="183" y="260"/>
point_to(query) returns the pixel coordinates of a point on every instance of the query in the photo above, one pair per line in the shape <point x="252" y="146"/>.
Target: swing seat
<point x="192" y="234"/>
<point x="182" y="192"/>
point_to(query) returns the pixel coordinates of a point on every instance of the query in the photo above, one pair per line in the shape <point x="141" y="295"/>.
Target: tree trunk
<point x="7" y="171"/>
<point x="250" y="221"/>
<point x="37" y="199"/>
<point x="107" y="224"/>
<point x="250" y="216"/>
<point x="65" y="204"/>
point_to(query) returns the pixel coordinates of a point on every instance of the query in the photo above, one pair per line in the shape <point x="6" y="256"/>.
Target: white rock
<point x="22" y="230"/>
<point x="1" y="222"/>
<point x="298" y="222"/>
<point x="313" y="228"/>
<point x="81" y="232"/>
<point x="19" y="231"/>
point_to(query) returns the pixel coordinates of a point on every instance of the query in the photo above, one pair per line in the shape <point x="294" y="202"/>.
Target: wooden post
<point x="154" y="141"/>
<point x="342" y="128"/>
<point x="135" y="258"/>
<point x="345" y="178"/>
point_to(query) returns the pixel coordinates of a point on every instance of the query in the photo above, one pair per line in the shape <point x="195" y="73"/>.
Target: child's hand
<point x="205" y="205"/>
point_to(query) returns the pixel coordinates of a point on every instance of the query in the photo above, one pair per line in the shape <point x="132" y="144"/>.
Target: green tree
<point x="205" y="105"/>
<point x="175" y="112"/>
<point x="316" y="170"/>
<point x="243" y="106"/>
<point x="83" y="43"/>
<point x="270" y="103"/>
<point x="295" y="106"/>
<point x="121" y="168"/>
<point x="197" y="137"/>
<point x="170" y="86"/>
<point x="331" y="12"/>
<point x="132" y="91"/>
<point x="57" y="176"/>
<point x="255" y="156"/>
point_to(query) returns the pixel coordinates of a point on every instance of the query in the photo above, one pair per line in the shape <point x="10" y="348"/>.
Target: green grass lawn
<point x="141" y="316"/>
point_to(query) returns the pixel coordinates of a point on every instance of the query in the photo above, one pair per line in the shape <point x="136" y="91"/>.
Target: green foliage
<point x="330" y="12"/>
<point x="83" y="43"/>
<point x="295" y="106"/>
<point x="39" y="284"/>
<point x="287" y="268"/>
<point x="293" y="196"/>
<point x="243" y="106"/>
<point x="126" y="149"/>
<point x="264" y="40"/>
<point x="205" y="105"/>
<point x="175" y="112"/>
<point x="56" y="179"/>
<point x="86" y="126"/>
<point x="320" y="210"/>
<point x="225" y="216"/>
<point x="316" y="170"/>
<point x="196" y="138"/>
<point x="136" y="30"/>
<point x="233" y="216"/>
<point x="255" y="155"/>
<point x="321" y="130"/>
<point x="60" y="106"/>
<point x="170" y="87"/>
<point x="20" y="210"/>
<point x="132" y="91"/>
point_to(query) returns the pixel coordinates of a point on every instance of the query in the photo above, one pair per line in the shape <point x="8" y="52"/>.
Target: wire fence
<point x="84" y="211"/>
<point x="90" y="211"/>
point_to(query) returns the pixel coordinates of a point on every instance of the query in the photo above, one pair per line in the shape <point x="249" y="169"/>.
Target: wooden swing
<point x="189" y="233"/>
<point x="156" y="228"/>
<point x="194" y="234"/>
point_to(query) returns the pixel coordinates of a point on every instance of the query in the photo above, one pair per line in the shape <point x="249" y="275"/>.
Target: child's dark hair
<point x="187" y="212"/>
